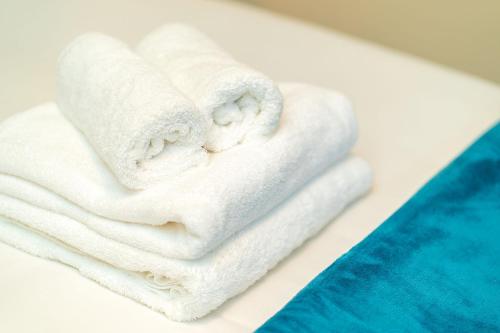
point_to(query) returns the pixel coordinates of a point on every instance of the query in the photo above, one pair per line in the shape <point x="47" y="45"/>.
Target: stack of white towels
<point x="172" y="173"/>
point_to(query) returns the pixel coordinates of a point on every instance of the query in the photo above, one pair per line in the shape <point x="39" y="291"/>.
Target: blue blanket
<point x="433" y="266"/>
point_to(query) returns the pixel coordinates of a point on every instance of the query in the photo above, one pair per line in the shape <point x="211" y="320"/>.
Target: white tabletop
<point x="414" y="117"/>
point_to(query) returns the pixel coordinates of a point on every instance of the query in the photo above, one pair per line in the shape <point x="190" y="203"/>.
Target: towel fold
<point x="239" y="103"/>
<point x="204" y="227"/>
<point x="135" y="119"/>
<point x="48" y="164"/>
<point x="186" y="289"/>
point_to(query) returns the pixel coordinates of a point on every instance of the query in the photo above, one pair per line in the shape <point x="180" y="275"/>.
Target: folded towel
<point x="139" y="124"/>
<point x="55" y="169"/>
<point x="186" y="289"/>
<point x="239" y="103"/>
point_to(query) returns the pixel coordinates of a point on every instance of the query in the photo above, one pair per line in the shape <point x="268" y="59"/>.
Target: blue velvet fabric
<point x="433" y="266"/>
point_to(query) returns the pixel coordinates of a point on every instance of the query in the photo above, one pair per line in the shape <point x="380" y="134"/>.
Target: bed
<point x="414" y="117"/>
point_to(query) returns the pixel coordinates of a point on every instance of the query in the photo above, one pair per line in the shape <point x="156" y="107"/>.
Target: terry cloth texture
<point x="131" y="114"/>
<point x="186" y="289"/>
<point x="239" y="103"/>
<point x="46" y="162"/>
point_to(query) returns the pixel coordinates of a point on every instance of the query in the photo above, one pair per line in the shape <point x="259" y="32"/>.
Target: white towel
<point x="239" y="103"/>
<point x="187" y="289"/>
<point x="47" y="163"/>
<point x="135" y="119"/>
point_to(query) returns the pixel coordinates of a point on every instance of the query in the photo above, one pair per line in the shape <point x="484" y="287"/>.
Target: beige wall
<point x="464" y="34"/>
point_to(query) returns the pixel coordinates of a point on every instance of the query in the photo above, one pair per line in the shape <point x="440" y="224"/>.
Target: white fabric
<point x="187" y="289"/>
<point x="135" y="119"/>
<point x="239" y="103"/>
<point x="47" y="163"/>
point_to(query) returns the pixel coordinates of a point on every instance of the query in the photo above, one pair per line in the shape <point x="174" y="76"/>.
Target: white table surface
<point x="414" y="117"/>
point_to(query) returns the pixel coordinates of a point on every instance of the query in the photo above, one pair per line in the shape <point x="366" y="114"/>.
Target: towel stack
<point x="171" y="173"/>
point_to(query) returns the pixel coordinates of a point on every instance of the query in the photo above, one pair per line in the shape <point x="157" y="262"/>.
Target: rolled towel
<point x="45" y="162"/>
<point x="186" y="289"/>
<point x="239" y="103"/>
<point x="135" y="119"/>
